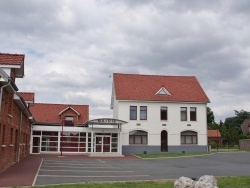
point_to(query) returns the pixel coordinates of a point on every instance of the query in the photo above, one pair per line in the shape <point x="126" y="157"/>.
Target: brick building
<point x="15" y="117"/>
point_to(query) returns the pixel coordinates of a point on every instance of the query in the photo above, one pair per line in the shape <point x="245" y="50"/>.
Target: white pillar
<point x="92" y="142"/>
<point x="120" y="143"/>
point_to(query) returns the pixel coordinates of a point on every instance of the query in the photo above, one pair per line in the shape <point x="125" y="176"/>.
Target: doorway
<point x="164" y="141"/>
<point x="36" y="144"/>
<point x="102" y="143"/>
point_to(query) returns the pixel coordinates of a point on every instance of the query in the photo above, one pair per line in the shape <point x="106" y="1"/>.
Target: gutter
<point x="19" y="136"/>
<point x="1" y="98"/>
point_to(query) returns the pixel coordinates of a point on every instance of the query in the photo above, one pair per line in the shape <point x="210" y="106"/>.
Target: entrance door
<point x="36" y="144"/>
<point x="164" y="141"/>
<point x="102" y="143"/>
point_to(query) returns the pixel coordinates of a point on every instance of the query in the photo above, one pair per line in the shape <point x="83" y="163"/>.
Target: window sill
<point x="138" y="145"/>
<point x="9" y="115"/>
<point x="3" y="146"/>
<point x="11" y="145"/>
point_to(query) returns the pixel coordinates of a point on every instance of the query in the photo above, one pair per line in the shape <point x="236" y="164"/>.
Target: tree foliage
<point x="230" y="130"/>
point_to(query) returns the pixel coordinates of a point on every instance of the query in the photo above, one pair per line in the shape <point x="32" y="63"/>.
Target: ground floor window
<point x="56" y="141"/>
<point x="138" y="137"/>
<point x="189" y="137"/>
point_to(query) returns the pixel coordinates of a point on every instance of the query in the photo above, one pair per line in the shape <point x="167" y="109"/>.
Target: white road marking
<point x="34" y="181"/>
<point x="80" y="167"/>
<point x="84" y="171"/>
<point x="64" y="176"/>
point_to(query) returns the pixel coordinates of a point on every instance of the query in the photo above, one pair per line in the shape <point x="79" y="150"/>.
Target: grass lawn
<point x="166" y="155"/>
<point x="223" y="182"/>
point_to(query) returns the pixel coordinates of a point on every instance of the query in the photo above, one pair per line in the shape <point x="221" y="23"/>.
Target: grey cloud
<point x="72" y="47"/>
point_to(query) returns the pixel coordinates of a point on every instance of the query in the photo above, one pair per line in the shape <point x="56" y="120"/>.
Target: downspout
<point x="19" y="136"/>
<point x="1" y="98"/>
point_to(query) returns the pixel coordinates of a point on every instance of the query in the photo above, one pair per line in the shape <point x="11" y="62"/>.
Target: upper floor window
<point x="143" y="113"/>
<point x="183" y="113"/>
<point x="69" y="121"/>
<point x="133" y="113"/>
<point x="164" y="113"/>
<point x="189" y="137"/>
<point x="193" y="114"/>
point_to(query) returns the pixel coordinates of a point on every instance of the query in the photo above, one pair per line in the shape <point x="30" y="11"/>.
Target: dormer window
<point x="69" y="121"/>
<point x="163" y="91"/>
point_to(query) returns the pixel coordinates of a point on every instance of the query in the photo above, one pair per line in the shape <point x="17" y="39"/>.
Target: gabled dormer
<point x="163" y="91"/>
<point x="69" y="116"/>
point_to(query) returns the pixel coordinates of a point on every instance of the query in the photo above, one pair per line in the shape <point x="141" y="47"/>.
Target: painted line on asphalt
<point x="84" y="171"/>
<point x="82" y="167"/>
<point x="73" y="164"/>
<point x="34" y="181"/>
<point x="84" y="162"/>
<point x="64" y="176"/>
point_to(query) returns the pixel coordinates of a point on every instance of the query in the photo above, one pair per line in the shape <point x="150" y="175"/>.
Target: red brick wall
<point x="9" y="132"/>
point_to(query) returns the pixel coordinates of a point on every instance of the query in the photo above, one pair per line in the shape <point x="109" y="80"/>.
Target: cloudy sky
<point x="72" y="47"/>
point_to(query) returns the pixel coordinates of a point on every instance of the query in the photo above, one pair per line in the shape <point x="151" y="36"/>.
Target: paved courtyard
<point x="54" y="170"/>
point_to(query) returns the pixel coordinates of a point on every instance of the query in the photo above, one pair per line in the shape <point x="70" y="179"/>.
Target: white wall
<point x="153" y="124"/>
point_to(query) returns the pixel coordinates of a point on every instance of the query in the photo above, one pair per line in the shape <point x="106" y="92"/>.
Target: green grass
<point x="223" y="182"/>
<point x="168" y="155"/>
<point x="233" y="182"/>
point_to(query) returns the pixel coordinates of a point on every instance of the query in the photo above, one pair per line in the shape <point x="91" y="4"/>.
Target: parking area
<point x="57" y="170"/>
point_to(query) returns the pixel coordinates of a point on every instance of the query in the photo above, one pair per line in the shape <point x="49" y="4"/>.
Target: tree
<point x="231" y="127"/>
<point x="210" y="119"/>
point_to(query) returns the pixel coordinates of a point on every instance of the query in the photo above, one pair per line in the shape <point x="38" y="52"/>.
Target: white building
<point x="164" y="113"/>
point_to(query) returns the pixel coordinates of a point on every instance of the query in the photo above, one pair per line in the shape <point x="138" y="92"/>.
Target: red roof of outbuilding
<point x="11" y="59"/>
<point x="49" y="113"/>
<point x="145" y="87"/>
<point x="213" y="133"/>
<point x="27" y="97"/>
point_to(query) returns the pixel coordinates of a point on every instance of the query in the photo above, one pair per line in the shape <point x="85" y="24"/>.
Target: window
<point x="11" y="135"/>
<point x="138" y="137"/>
<point x="143" y="113"/>
<point x="192" y="114"/>
<point x="164" y="113"/>
<point x="133" y="112"/>
<point x="189" y="137"/>
<point x="69" y="121"/>
<point x="3" y="141"/>
<point x="183" y="114"/>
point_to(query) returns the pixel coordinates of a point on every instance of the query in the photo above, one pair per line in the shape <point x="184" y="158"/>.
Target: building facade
<point x="15" y="117"/>
<point x="164" y="113"/>
<point x="66" y="129"/>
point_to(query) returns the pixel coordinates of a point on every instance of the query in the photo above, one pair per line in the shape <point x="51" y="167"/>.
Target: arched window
<point x="138" y="137"/>
<point x="189" y="137"/>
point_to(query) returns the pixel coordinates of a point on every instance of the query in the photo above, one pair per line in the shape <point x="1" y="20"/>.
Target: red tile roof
<point x="11" y="59"/>
<point x="145" y="87"/>
<point x="49" y="113"/>
<point x="213" y="134"/>
<point x="28" y="97"/>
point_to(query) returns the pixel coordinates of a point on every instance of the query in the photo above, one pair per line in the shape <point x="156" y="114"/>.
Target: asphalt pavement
<point x="54" y="171"/>
<point x="51" y="169"/>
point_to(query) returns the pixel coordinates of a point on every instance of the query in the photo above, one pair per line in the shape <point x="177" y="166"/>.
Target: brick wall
<point x="244" y="144"/>
<point x="10" y="132"/>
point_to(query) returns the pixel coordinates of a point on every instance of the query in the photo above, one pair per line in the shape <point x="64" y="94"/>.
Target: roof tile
<point x="145" y="87"/>
<point x="49" y="113"/>
<point x="11" y="59"/>
<point x="213" y="133"/>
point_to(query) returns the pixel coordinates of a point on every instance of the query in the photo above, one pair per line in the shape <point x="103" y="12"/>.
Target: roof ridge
<point x="155" y="75"/>
<point x="11" y="54"/>
<point x="61" y="104"/>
